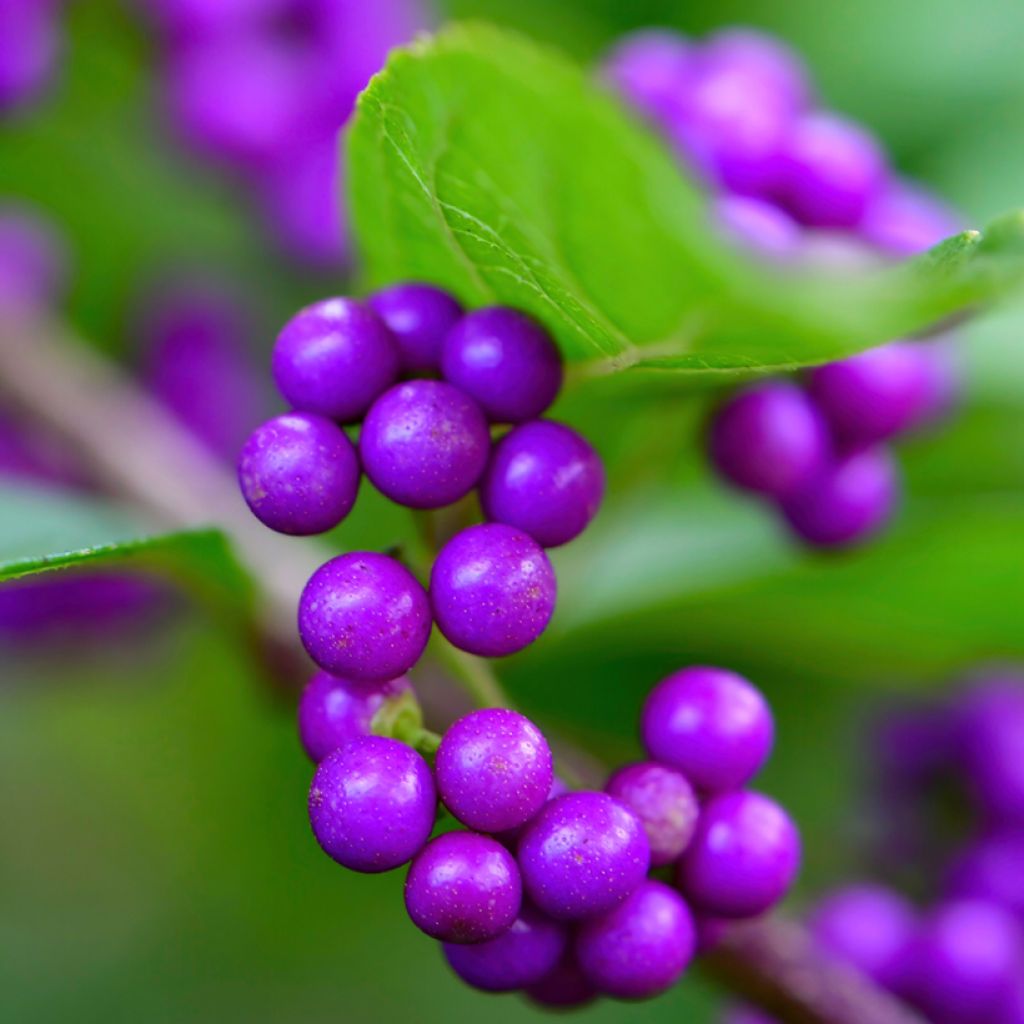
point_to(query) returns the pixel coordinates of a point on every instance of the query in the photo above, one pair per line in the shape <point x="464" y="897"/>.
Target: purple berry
<point x="664" y="802"/>
<point x="463" y="888"/>
<point x="364" y="616"/>
<point x="641" y="947"/>
<point x="769" y="438"/>
<point x="529" y="951"/>
<point x="1011" y="1007"/>
<point x="869" y="927"/>
<point x="565" y="987"/>
<point x="30" y="31"/>
<point x="903" y="220"/>
<point x="335" y="358"/>
<point x="777" y="66"/>
<point x="420" y="317"/>
<point x="33" y="260"/>
<point x="333" y="711"/>
<point x="510" y="837"/>
<point x="830" y="171"/>
<point x="759" y="226"/>
<point x="424" y="444"/>
<point x="494" y="770"/>
<point x="742" y="858"/>
<point x="963" y="962"/>
<point x="992" y="868"/>
<point x="505" y="360"/>
<point x="846" y="503"/>
<point x="874" y="395"/>
<point x="372" y="804"/>
<point x="583" y="854"/>
<point x="299" y="473"/>
<point x="190" y="19"/>
<point x="709" y="723"/>
<point x="545" y="480"/>
<point x="492" y="589"/>
<point x="650" y="69"/>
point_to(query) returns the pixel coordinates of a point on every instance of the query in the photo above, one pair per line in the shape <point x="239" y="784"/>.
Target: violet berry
<point x="564" y="987"/>
<point x="991" y="869"/>
<point x="463" y="887"/>
<point x="335" y="358"/>
<point x="494" y="770"/>
<point x="903" y="220"/>
<point x="758" y="225"/>
<point x="641" y="947"/>
<point x="334" y="711"/>
<point x="372" y="804"/>
<point x="846" y="503"/>
<point x="650" y="69"/>
<point x="710" y="724"/>
<point x="742" y="858"/>
<point x="424" y="444"/>
<point x="492" y="589"/>
<point x="505" y="360"/>
<point x="769" y="438"/>
<point x="420" y="317"/>
<point x="583" y="854"/>
<point x="664" y="802"/>
<point x="299" y="473"/>
<point x="31" y="31"/>
<point x="364" y="616"/>
<point x="523" y="955"/>
<point x="545" y="480"/>
<point x="777" y="66"/>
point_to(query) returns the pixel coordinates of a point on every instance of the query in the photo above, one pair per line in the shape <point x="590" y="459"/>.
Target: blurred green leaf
<point x="495" y="167"/>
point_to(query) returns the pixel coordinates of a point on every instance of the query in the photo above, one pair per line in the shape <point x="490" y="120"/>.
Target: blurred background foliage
<point x="155" y="859"/>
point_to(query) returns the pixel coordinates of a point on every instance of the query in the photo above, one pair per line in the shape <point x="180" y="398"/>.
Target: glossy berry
<point x="463" y="887"/>
<point x="846" y="503"/>
<point x="874" y="395"/>
<point x="641" y="947"/>
<point x="991" y="869"/>
<point x="583" y="854"/>
<point x="710" y="724"/>
<point x="830" y="171"/>
<point x="494" y="770"/>
<point x="742" y="858"/>
<point x="335" y="358"/>
<point x="769" y="438"/>
<point x="492" y="589"/>
<point x="424" y="444"/>
<point x="650" y="69"/>
<point x="963" y="962"/>
<point x="759" y="226"/>
<point x="364" y="616"/>
<point x="510" y="837"/>
<point x="869" y="927"/>
<point x="563" y="988"/>
<point x="372" y="804"/>
<point x="545" y="480"/>
<point x="299" y="473"/>
<point x="524" y="954"/>
<point x="664" y="802"/>
<point x="420" y="317"/>
<point x="506" y="361"/>
<point x="333" y="711"/>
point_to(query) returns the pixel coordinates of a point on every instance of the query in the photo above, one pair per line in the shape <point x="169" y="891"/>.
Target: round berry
<point x="333" y="711"/>
<point x="299" y="473"/>
<point x="847" y="503"/>
<point x="650" y="69"/>
<point x="506" y="361"/>
<point x="494" y="770"/>
<point x="372" y="804"/>
<point x="903" y="220"/>
<point x="641" y="947"/>
<point x="364" y="616"/>
<point x="742" y="858"/>
<point x="963" y="962"/>
<point x="521" y="956"/>
<point x="545" y="480"/>
<point x="759" y="226"/>
<point x="492" y="589"/>
<point x="769" y="438"/>
<point x="510" y="837"/>
<point x="1011" y="1007"/>
<point x="830" y="171"/>
<point x="335" y="358"/>
<point x="992" y="868"/>
<point x="582" y="854"/>
<point x="869" y="927"/>
<point x="463" y="887"/>
<point x="664" y="802"/>
<point x="564" y="987"/>
<point x="424" y="444"/>
<point x="778" y="67"/>
<point x="420" y="317"/>
<point x="709" y="723"/>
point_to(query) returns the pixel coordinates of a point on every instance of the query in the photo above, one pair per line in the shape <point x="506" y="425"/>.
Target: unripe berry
<point x="364" y="616"/>
<point x="420" y="317"/>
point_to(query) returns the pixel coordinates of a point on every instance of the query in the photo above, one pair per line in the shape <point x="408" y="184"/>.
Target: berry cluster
<point x="796" y="182"/>
<point x="263" y="87"/>
<point x="547" y="890"/>
<point x="961" y="959"/>
<point x="425" y="443"/>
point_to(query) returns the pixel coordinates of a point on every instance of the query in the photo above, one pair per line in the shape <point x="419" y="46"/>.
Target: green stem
<point x="474" y="674"/>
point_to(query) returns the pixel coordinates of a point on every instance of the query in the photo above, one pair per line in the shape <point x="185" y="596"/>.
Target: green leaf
<point x="497" y="168"/>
